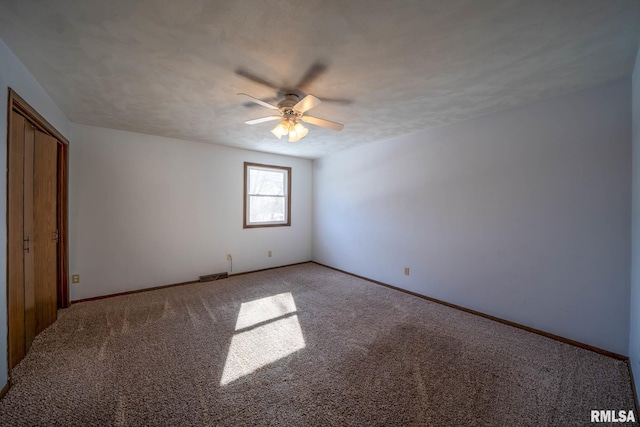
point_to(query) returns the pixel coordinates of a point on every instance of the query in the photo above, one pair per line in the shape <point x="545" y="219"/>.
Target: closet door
<point x="37" y="260"/>
<point x="45" y="198"/>
<point x="32" y="235"/>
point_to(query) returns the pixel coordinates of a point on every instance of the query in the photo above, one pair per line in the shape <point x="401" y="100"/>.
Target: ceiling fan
<point x="291" y="111"/>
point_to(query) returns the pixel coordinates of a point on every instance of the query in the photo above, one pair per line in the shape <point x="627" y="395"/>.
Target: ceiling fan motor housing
<point x="286" y="107"/>
<point x="289" y="101"/>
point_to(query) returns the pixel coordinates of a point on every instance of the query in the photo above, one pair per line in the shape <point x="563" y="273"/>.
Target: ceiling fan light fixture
<point x="301" y="130"/>
<point x="297" y="132"/>
<point x="281" y="129"/>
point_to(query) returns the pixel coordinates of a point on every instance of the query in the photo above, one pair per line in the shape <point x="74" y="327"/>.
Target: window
<point x="267" y="196"/>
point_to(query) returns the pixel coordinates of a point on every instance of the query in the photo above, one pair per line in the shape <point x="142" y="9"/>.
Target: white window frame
<point x="286" y="171"/>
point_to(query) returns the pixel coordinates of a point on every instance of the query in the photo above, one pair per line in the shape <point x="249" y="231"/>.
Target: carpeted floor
<point x="301" y="346"/>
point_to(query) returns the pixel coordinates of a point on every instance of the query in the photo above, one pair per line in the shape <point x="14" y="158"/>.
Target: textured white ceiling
<point x="173" y="68"/>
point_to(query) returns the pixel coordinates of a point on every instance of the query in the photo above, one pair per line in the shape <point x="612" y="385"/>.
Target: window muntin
<point x="267" y="198"/>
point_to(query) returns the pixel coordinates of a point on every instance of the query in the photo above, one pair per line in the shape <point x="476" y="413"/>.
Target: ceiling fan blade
<point x="314" y="71"/>
<point x="267" y="100"/>
<point x="322" y="122"/>
<point x="259" y="101"/>
<point x="248" y="75"/>
<point x="262" y="120"/>
<point x="306" y="103"/>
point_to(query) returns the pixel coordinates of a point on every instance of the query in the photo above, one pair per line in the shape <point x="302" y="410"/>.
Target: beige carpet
<point x="301" y="346"/>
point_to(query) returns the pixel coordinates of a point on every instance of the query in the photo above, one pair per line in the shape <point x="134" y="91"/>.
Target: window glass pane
<point x="266" y="182"/>
<point x="266" y="209"/>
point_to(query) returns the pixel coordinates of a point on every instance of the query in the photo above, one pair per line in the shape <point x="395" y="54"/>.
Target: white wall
<point x="634" y="324"/>
<point x="14" y="75"/>
<point x="148" y="211"/>
<point x="524" y="215"/>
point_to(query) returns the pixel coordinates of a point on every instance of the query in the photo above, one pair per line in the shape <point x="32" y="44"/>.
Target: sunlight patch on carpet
<point x="266" y="331"/>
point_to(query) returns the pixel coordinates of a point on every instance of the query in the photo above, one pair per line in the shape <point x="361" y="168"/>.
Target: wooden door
<point x="37" y="223"/>
<point x="45" y="234"/>
<point x="32" y="234"/>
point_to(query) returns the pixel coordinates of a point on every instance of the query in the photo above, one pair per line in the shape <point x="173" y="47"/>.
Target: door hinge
<point x="25" y="245"/>
<point x="55" y="235"/>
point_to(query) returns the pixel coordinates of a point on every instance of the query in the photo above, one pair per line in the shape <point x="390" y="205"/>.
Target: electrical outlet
<point x="75" y="278"/>
<point x="228" y="257"/>
<point x="269" y="254"/>
<point x="406" y="271"/>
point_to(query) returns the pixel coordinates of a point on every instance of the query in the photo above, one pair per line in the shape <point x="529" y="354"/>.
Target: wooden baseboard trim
<point x="4" y="390"/>
<point x="155" y="288"/>
<point x="269" y="268"/>
<point x="490" y="317"/>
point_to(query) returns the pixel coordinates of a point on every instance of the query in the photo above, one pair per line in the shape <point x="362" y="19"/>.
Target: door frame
<point x="18" y="104"/>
